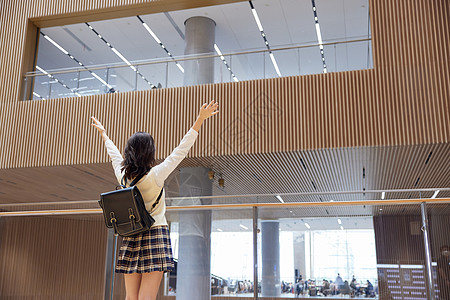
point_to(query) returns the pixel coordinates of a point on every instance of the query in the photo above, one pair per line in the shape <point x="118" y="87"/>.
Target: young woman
<point x="144" y="258"/>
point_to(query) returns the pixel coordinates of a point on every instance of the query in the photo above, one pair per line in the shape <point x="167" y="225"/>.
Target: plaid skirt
<point x="146" y="252"/>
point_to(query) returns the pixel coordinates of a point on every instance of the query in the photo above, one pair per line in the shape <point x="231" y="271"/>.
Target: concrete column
<point x="200" y="39"/>
<point x="270" y="252"/>
<point x="299" y="253"/>
<point x="194" y="254"/>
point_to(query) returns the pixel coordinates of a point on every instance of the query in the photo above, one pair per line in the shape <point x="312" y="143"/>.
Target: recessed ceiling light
<point x="435" y="194"/>
<point x="243" y="226"/>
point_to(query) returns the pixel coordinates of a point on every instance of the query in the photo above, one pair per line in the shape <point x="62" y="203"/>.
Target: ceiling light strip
<point x="243" y="227"/>
<point x="319" y="35"/>
<point x="119" y="55"/>
<point x="263" y="35"/>
<point x="55" y="79"/>
<point x="159" y="42"/>
<point x="74" y="59"/>
<point x="435" y="195"/>
<point x="225" y="62"/>
<point x="37" y="95"/>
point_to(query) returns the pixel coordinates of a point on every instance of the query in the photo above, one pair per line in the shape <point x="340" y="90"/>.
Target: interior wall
<point x="52" y="257"/>
<point x="402" y="101"/>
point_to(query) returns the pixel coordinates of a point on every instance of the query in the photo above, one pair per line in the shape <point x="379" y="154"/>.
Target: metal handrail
<point x="245" y="196"/>
<point x="240" y="206"/>
<point x="182" y="58"/>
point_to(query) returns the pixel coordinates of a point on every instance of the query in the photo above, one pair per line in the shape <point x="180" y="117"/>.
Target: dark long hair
<point x="139" y="155"/>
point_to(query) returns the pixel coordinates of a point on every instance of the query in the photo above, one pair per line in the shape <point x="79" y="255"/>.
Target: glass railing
<point x="167" y="73"/>
<point x="278" y="246"/>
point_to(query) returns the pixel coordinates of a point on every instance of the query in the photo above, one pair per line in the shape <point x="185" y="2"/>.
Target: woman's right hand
<point x="96" y="123"/>
<point x="206" y="111"/>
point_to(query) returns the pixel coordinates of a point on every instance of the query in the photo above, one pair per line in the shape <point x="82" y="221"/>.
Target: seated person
<point x="325" y="289"/>
<point x="369" y="289"/>
<point x="345" y="290"/>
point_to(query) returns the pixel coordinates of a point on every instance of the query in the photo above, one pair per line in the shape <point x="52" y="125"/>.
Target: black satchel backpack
<point x="124" y="209"/>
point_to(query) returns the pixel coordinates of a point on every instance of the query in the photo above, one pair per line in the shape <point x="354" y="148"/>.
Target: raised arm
<point x="113" y="152"/>
<point x="163" y="170"/>
<point x="206" y="111"/>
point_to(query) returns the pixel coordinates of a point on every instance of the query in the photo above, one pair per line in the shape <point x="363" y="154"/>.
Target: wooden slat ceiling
<point x="326" y="170"/>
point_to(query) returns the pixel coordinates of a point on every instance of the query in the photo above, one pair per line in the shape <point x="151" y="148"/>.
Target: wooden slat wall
<point x="52" y="258"/>
<point x="404" y="100"/>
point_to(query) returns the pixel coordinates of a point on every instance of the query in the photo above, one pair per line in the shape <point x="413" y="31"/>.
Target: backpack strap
<point x="157" y="200"/>
<point x="123" y="182"/>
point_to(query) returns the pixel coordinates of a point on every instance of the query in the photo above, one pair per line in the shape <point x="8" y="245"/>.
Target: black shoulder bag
<point x="124" y="209"/>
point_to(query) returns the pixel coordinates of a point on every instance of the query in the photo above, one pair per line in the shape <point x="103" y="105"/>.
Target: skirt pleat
<point x="146" y="252"/>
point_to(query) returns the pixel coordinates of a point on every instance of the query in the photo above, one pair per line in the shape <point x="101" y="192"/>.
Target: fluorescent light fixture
<point x="255" y="15"/>
<point x="219" y="230"/>
<point x="435" y="194"/>
<point x="383" y="195"/>
<point x="319" y="35"/>
<point x="388" y="266"/>
<point x="180" y="67"/>
<point x="218" y="51"/>
<point x="77" y="94"/>
<point x="41" y="70"/>
<point x="159" y="42"/>
<point x="37" y="95"/>
<point x="307" y="225"/>
<point x="411" y="266"/>
<point x="275" y="64"/>
<point x="56" y="44"/>
<point x="339" y="221"/>
<point x="342" y="227"/>
<point x="224" y="61"/>
<point x="120" y="55"/>
<point x="101" y="80"/>
<point x="152" y="33"/>
<point x="244" y="227"/>
<point x="279" y="198"/>
<point x="88" y="78"/>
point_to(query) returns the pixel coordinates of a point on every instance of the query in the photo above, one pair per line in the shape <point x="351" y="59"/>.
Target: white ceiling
<point x="285" y="22"/>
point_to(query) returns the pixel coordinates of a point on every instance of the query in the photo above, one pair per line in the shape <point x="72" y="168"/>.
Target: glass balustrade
<point x="310" y="245"/>
<point x="166" y="73"/>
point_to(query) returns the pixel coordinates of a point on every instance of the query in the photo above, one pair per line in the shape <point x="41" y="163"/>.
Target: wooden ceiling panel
<point x="325" y="170"/>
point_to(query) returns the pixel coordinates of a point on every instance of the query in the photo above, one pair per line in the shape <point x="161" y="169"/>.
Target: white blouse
<point x="150" y="185"/>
